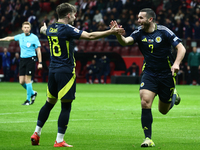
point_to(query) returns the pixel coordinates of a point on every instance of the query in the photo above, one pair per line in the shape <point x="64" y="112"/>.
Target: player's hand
<point x="43" y="29"/>
<point x="39" y="66"/>
<point x="174" y="69"/>
<point x="115" y="27"/>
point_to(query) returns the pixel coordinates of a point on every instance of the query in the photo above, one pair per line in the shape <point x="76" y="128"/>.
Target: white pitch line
<point x="182" y="117"/>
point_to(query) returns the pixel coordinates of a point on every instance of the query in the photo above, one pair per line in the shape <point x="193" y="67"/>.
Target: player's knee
<point x="164" y="112"/>
<point x="145" y="104"/>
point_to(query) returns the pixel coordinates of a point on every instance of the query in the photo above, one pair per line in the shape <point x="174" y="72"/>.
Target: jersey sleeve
<point x="37" y="42"/>
<point x="135" y="35"/>
<point x="17" y="37"/>
<point x="173" y="39"/>
<point x="73" y="32"/>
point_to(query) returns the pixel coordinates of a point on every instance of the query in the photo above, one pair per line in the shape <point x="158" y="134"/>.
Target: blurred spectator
<point x="182" y="73"/>
<point x="188" y="29"/>
<point x="6" y="64"/>
<point x="197" y="30"/>
<point x="36" y="7"/>
<point x="178" y="28"/>
<point x="15" y="62"/>
<point x="4" y="5"/>
<point x="194" y="65"/>
<point x="133" y="70"/>
<point x="93" y="71"/>
<point x="3" y="25"/>
<point x="52" y="20"/>
<point x="104" y="68"/>
<point x="26" y="13"/>
<point x="98" y="16"/>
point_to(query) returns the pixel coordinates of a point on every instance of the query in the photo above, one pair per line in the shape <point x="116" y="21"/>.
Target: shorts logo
<point x="142" y="84"/>
<point x="158" y="39"/>
<point x="29" y="72"/>
<point x="28" y="44"/>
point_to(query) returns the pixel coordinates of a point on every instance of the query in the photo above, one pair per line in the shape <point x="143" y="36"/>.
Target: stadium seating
<point x="117" y="49"/>
<point x="134" y="51"/>
<point x="91" y="43"/>
<point x="89" y="49"/>
<point x="107" y="48"/>
<point x="125" y="51"/>
<point x="99" y="48"/>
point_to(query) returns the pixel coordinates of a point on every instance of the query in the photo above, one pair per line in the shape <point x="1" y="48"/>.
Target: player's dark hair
<point x="149" y="13"/>
<point x="65" y="8"/>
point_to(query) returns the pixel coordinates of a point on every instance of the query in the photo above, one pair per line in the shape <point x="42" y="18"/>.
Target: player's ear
<point x="151" y="19"/>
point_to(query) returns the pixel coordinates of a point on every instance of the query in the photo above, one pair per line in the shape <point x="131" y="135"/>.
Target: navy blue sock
<point x="64" y="117"/>
<point x="147" y="120"/>
<point x="44" y="113"/>
<point x="173" y="100"/>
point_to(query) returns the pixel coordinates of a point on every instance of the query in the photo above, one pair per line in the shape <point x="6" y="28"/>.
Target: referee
<point x="28" y="43"/>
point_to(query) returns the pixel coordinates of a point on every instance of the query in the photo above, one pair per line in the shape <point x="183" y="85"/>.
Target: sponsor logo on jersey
<point x="53" y="30"/>
<point x="144" y="40"/>
<point x="76" y="30"/>
<point x="150" y="40"/>
<point x="158" y="39"/>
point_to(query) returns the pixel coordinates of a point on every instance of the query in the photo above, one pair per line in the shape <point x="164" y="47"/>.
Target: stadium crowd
<point x="181" y="16"/>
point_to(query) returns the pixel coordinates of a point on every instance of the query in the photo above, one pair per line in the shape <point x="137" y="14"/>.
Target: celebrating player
<point x="61" y="81"/>
<point x="160" y="68"/>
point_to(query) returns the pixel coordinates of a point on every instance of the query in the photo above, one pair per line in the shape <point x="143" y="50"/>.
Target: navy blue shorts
<point x="61" y="85"/>
<point x="164" y="87"/>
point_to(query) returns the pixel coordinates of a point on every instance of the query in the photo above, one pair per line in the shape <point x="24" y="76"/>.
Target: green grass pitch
<point x="103" y="117"/>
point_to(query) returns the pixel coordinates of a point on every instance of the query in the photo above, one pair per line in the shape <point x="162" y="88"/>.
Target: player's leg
<point x="67" y="89"/>
<point x="63" y="123"/>
<point x="46" y="109"/>
<point x="168" y="95"/>
<point x="42" y="118"/>
<point x="148" y="89"/>
<point x="147" y="98"/>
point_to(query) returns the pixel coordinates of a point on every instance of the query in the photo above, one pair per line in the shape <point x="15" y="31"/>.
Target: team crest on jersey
<point x="158" y="39"/>
<point x="76" y="30"/>
<point x="142" y="84"/>
<point x="28" y="44"/>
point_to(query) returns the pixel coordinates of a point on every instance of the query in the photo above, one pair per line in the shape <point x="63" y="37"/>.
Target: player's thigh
<point x="166" y="89"/>
<point x="147" y="98"/>
<point x="62" y="86"/>
<point x="148" y="90"/>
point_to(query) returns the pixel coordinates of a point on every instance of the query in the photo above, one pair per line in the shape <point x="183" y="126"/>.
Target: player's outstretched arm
<point x="43" y="29"/>
<point x="180" y="55"/>
<point x="121" y="39"/>
<point x="97" y="35"/>
<point x="8" y="38"/>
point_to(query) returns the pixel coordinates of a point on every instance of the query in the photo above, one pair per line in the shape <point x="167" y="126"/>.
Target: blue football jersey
<point x="60" y="37"/>
<point x="27" y="44"/>
<point x="156" y="49"/>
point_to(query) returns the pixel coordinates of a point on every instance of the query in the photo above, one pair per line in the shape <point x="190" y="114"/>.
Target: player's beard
<point x="146" y="26"/>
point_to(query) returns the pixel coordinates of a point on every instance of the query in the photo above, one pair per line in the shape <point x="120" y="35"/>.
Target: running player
<point x="28" y="43"/>
<point x="160" y="69"/>
<point x="62" y="77"/>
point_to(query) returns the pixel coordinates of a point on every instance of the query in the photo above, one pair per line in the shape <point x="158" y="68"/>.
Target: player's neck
<point x="63" y="21"/>
<point x="151" y="28"/>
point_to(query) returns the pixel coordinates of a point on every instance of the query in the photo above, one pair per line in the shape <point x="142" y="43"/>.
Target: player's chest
<point x="151" y="43"/>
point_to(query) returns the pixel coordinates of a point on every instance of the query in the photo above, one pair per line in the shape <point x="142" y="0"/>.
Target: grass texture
<point x="103" y="117"/>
